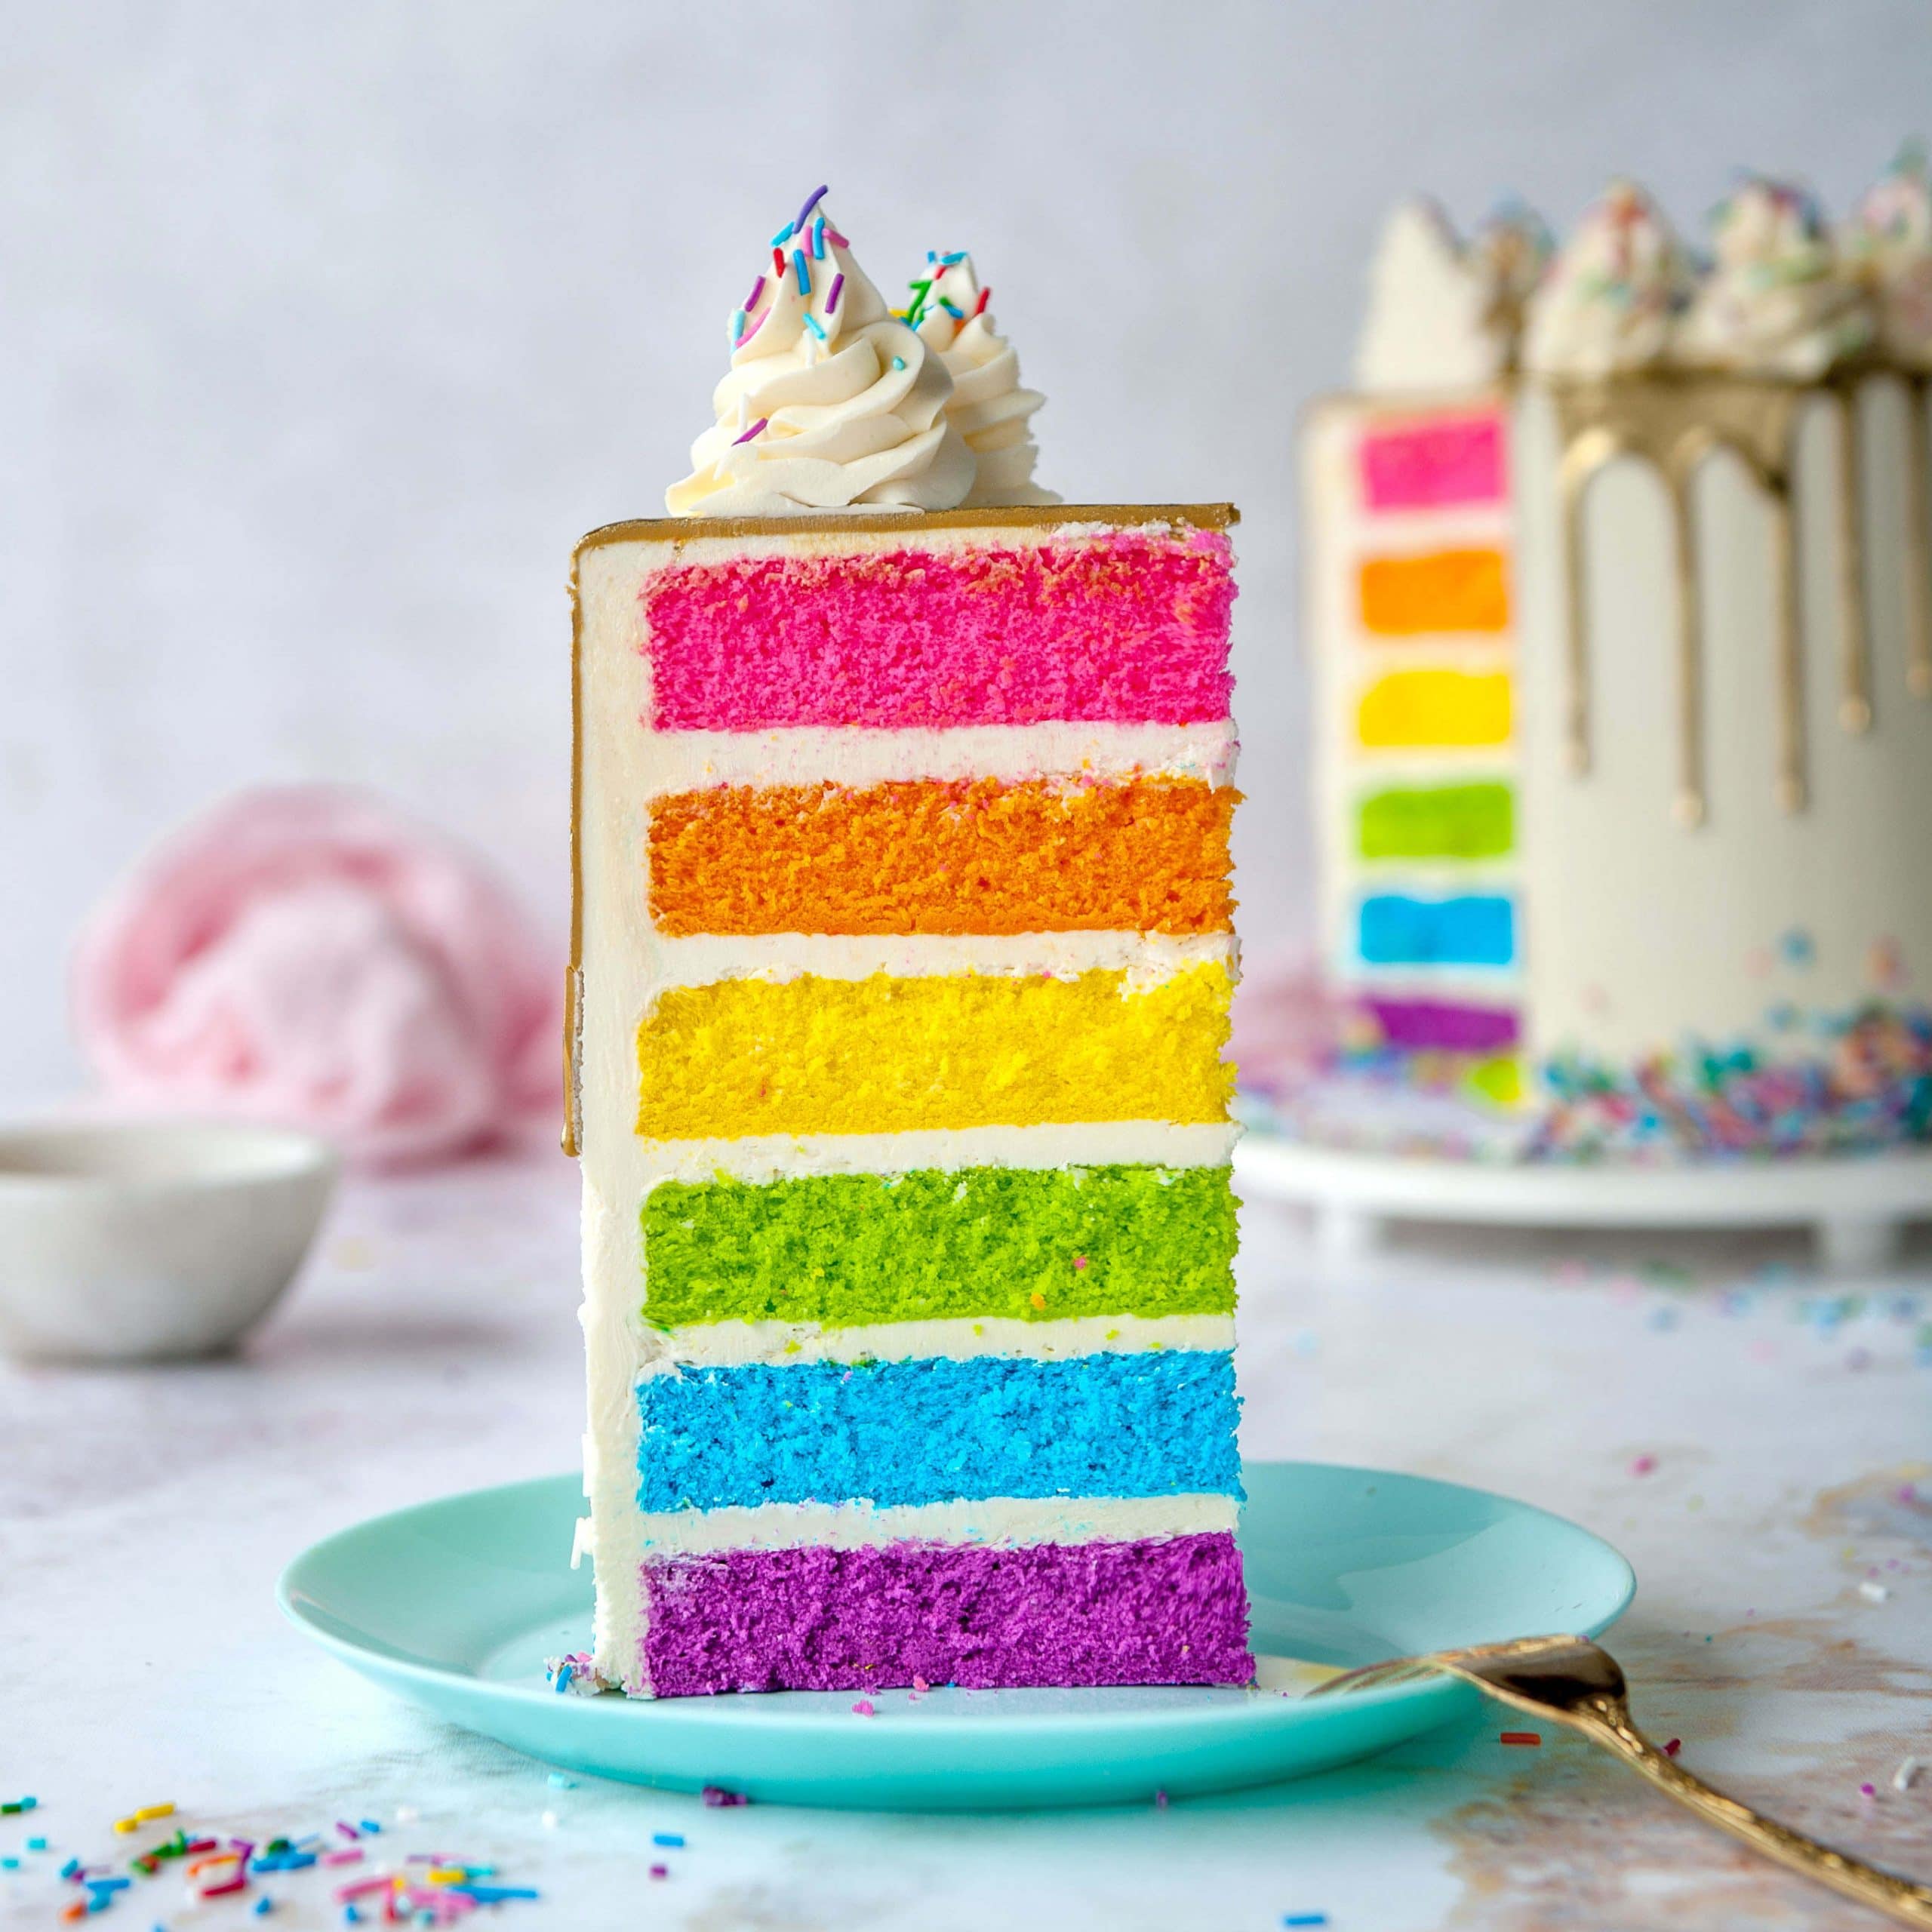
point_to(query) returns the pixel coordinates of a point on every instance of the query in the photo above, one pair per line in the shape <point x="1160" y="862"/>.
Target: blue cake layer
<point x="1160" y="1423"/>
<point x="1476" y="929"/>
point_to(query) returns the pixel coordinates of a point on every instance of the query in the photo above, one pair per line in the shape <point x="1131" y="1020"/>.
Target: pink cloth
<point x="309" y="956"/>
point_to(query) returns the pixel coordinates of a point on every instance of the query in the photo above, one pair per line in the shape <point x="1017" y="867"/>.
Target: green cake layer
<point x="1471" y="821"/>
<point x="843" y="1250"/>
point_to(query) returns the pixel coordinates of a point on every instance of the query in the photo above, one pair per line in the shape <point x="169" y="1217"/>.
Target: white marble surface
<point x="1749" y="1437"/>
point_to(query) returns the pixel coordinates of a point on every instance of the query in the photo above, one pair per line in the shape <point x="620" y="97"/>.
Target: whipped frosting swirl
<point x="989" y="406"/>
<point x="1888" y="246"/>
<point x="831" y="403"/>
<point x="1779" y="300"/>
<point x="1611" y="300"/>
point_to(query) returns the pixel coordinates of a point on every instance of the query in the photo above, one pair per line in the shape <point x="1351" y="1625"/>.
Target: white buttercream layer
<point x="855" y="756"/>
<point x="1010" y="1521"/>
<point x="1080" y="1144"/>
<point x="1146" y="958"/>
<point x="728" y="1344"/>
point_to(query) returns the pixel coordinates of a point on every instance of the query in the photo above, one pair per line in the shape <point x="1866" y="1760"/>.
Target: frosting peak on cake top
<point x="1779" y="300"/>
<point x="1611" y="302"/>
<point x="1429" y="309"/>
<point x="988" y="407"/>
<point x="1888" y="243"/>
<point x="831" y="402"/>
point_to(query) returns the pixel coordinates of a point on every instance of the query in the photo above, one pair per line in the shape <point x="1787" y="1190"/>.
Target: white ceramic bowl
<point x="142" y="1240"/>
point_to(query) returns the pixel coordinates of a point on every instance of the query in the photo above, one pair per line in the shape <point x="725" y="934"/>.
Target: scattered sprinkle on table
<point x="1906" y="1775"/>
<point x="1873" y="1592"/>
<point x="1868" y="1791"/>
<point x="1643" y="1465"/>
<point x="660" y="1871"/>
<point x="1304" y="1918"/>
<point x="864" y="1708"/>
<point x="717" y="1796"/>
<point x="1531" y="1737"/>
<point x="433" y="1889"/>
<point x="671" y="1841"/>
<point x="1672" y="1746"/>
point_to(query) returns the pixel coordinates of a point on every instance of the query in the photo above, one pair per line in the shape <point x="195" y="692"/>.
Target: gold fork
<point x="1573" y="1682"/>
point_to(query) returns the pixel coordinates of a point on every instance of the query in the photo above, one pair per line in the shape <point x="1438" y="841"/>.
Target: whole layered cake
<point x="1620" y="605"/>
<point x="903" y="955"/>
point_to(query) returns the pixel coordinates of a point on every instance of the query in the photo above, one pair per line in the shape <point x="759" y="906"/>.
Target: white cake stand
<point x="1856" y="1205"/>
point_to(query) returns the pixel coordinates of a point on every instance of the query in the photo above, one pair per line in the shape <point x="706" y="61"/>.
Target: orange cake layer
<point x="1440" y="591"/>
<point x="984" y="855"/>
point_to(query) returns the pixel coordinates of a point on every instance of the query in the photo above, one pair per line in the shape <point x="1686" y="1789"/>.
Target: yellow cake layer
<point x="1430" y="707"/>
<point x="888" y="1055"/>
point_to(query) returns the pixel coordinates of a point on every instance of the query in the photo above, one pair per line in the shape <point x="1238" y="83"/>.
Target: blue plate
<point x="456" y="1605"/>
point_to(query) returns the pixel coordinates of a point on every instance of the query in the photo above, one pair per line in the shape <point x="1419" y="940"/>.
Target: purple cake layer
<point x="818" y="1618"/>
<point x="1446" y="1026"/>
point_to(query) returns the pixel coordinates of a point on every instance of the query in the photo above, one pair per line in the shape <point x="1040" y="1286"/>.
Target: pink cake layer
<point x="1127" y="626"/>
<point x="1434" y="465"/>
<point x="878" y="1616"/>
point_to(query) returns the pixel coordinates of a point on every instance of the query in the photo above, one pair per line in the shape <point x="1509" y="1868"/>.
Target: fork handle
<point x="1604" y="1721"/>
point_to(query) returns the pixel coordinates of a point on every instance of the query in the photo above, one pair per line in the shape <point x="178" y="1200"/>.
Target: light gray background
<point x="324" y="331"/>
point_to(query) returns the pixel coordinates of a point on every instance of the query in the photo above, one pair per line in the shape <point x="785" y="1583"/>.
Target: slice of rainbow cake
<point x="903" y="963"/>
